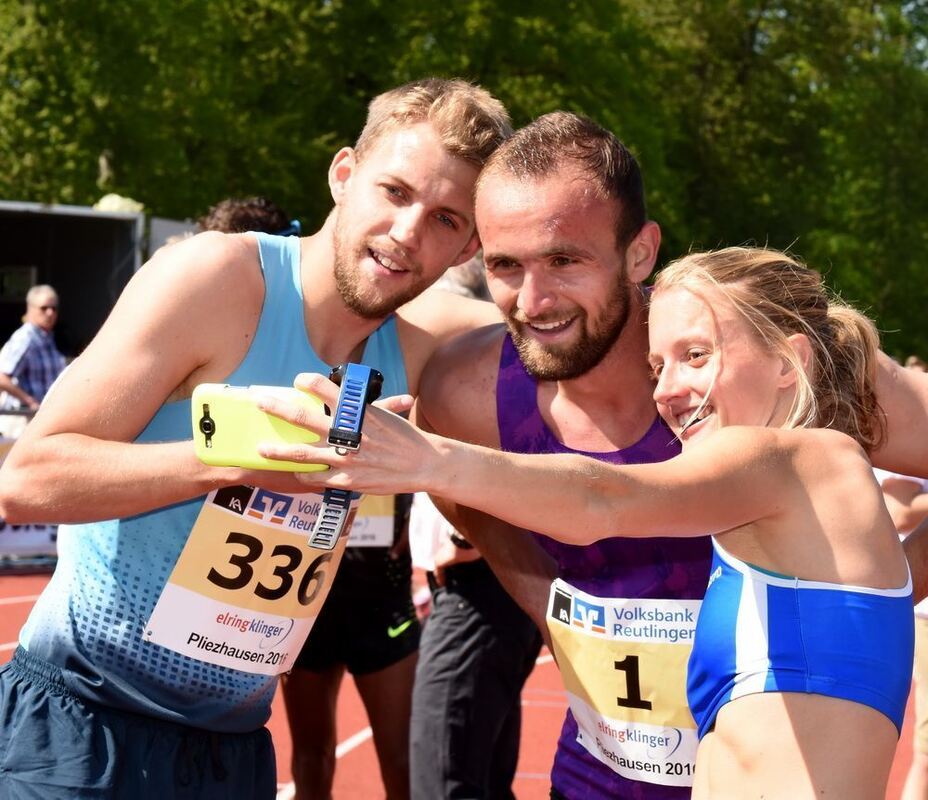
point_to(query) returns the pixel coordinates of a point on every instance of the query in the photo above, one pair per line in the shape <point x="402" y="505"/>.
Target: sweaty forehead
<point x="550" y="204"/>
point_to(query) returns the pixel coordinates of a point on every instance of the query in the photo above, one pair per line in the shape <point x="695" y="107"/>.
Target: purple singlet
<point x="629" y="568"/>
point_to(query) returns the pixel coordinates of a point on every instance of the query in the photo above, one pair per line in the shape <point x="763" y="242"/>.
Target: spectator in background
<point x="235" y="215"/>
<point x="30" y="361"/>
<point x="916" y="362"/>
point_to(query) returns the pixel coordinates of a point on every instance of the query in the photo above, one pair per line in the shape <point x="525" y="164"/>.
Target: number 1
<point x="629" y="665"/>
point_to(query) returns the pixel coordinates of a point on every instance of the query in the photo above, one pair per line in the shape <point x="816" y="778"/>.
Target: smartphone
<point x="228" y="426"/>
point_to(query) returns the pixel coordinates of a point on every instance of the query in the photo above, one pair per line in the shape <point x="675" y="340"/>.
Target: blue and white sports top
<point x="89" y="620"/>
<point x="762" y="632"/>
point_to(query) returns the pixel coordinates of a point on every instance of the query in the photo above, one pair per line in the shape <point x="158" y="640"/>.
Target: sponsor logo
<point x="589" y="616"/>
<point x="256" y="626"/>
<point x="656" y="745"/>
<point x="561" y="606"/>
<point x="399" y="629"/>
<point x="270" y="506"/>
<point x="233" y="498"/>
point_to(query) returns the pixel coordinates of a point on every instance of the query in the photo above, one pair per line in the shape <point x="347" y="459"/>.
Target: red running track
<point x="356" y="774"/>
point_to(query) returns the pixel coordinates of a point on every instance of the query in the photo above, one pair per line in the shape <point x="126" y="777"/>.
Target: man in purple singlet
<point x="560" y="210"/>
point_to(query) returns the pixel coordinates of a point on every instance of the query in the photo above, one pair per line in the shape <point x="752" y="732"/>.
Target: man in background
<point x="29" y="361"/>
<point x="239" y="215"/>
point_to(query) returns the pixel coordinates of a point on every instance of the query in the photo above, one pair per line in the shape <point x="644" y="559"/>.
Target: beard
<point x="567" y="361"/>
<point x="361" y="296"/>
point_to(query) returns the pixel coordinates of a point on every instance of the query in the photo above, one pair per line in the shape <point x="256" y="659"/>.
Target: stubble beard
<point x="349" y="281"/>
<point x="565" y="362"/>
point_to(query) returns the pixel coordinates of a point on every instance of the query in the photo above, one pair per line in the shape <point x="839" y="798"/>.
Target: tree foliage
<point x="798" y="123"/>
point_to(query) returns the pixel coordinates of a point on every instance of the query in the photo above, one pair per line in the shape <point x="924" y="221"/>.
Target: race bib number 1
<point x="247" y="587"/>
<point x="623" y="663"/>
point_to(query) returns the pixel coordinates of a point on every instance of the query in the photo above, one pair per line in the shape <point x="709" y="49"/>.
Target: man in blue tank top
<point x="136" y="652"/>
<point x="567" y="243"/>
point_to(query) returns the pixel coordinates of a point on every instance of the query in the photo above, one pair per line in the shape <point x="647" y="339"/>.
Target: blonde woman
<point x="802" y="658"/>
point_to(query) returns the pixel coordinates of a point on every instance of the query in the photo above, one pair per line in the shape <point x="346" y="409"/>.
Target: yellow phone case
<point x="228" y="426"/>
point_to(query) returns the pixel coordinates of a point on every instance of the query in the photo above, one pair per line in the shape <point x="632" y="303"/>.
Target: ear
<point x="800" y="345"/>
<point x="469" y="251"/>
<point x="641" y="254"/>
<point x="340" y="171"/>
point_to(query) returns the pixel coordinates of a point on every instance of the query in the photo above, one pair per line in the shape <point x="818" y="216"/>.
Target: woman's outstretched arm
<point x="737" y="475"/>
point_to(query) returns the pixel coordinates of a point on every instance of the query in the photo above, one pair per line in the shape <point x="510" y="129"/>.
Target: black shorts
<point x="368" y="621"/>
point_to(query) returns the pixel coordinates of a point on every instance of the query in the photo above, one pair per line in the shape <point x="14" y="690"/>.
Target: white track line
<point x="8" y="646"/>
<point x="289" y="791"/>
<point x="27" y="598"/>
<point x="352" y="742"/>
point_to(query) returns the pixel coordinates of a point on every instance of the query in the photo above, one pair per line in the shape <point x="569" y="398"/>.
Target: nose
<point x="406" y="229"/>
<point x="535" y="294"/>
<point x="669" y="386"/>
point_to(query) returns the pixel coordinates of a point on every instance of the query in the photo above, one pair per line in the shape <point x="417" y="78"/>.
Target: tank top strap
<point x="521" y="426"/>
<point x="281" y="315"/>
<point x="283" y="320"/>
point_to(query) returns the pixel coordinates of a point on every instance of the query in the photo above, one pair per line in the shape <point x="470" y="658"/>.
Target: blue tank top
<point x="631" y="568"/>
<point x="89" y="620"/>
<point x="762" y="632"/>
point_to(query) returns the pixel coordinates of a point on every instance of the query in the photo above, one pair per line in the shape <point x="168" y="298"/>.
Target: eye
<point x="447" y="221"/>
<point x="562" y="261"/>
<point x="656" y="369"/>
<point x="500" y="264"/>
<point x="697" y="356"/>
<point x="394" y="191"/>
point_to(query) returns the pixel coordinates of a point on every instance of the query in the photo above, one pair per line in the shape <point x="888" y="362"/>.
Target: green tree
<point x="788" y="122"/>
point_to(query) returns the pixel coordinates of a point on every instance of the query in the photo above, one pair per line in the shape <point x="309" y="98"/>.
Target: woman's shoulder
<point x="823" y="451"/>
<point x="792" y="450"/>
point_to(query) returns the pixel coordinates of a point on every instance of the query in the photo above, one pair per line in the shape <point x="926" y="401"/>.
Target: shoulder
<point x="822" y="453"/>
<point x="457" y="395"/>
<point x="206" y="258"/>
<point x="190" y="310"/>
<point x="20" y="343"/>
<point x="779" y="451"/>
<point x="208" y="281"/>
<point x="804" y="456"/>
<point x="23" y="336"/>
<point x="433" y="318"/>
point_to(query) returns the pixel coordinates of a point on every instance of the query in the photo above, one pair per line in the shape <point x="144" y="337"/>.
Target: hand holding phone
<point x="228" y="426"/>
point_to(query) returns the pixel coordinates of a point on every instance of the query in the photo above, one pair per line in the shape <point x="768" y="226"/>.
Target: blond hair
<point x="779" y="297"/>
<point x="470" y="122"/>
